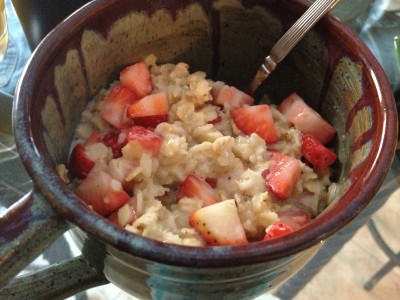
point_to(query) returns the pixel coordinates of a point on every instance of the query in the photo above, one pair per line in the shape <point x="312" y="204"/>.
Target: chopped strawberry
<point x="116" y="140"/>
<point x="283" y="175"/>
<point x="194" y="186"/>
<point x="232" y="96"/>
<point x="306" y="119"/>
<point x="93" y="139"/>
<point x="151" y="121"/>
<point x="102" y="192"/>
<point x="256" y="119"/>
<point x="148" y="140"/>
<point x="114" y="218"/>
<point x="137" y="78"/>
<point x="216" y="120"/>
<point x="316" y="153"/>
<point x="80" y="164"/>
<point x="212" y="182"/>
<point x="150" y="110"/>
<point x="277" y="229"/>
<point x="115" y="104"/>
<point x="219" y="224"/>
<point x="295" y="219"/>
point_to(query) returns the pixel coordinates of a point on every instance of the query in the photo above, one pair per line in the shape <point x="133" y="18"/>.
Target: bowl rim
<point x="67" y="204"/>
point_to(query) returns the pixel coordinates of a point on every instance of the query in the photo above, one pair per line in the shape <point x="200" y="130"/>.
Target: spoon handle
<point x="290" y="39"/>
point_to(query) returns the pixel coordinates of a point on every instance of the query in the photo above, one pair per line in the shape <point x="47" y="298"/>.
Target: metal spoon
<point x="290" y="39"/>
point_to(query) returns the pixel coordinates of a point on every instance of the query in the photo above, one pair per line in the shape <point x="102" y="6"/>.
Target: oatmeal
<point x="174" y="156"/>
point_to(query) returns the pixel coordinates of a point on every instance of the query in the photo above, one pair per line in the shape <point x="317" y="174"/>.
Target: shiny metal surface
<point x="290" y="39"/>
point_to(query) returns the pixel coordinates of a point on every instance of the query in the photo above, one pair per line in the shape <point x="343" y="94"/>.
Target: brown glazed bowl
<point x="331" y="67"/>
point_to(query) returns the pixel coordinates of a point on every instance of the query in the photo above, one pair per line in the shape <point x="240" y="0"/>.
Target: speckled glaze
<point x="331" y="68"/>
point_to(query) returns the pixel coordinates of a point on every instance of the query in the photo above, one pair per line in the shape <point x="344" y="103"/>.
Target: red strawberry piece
<point x="148" y="139"/>
<point x="306" y="119"/>
<point x="102" y="192"/>
<point x="295" y="219"/>
<point x="115" y="104"/>
<point x="137" y="77"/>
<point x="93" y="139"/>
<point x="195" y="187"/>
<point x="219" y="224"/>
<point x="150" y="110"/>
<point x="116" y="140"/>
<point x="277" y="229"/>
<point x="150" y="121"/>
<point x="212" y="182"/>
<point x="216" y="120"/>
<point x="232" y="96"/>
<point x="114" y="218"/>
<point x="256" y="119"/>
<point x="316" y="153"/>
<point x="282" y="175"/>
<point x="80" y="164"/>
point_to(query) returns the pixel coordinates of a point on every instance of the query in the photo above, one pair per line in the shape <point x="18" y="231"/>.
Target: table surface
<point x="377" y="27"/>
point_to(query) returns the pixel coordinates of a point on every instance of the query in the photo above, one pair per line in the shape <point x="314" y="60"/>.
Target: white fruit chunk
<point x="219" y="224"/>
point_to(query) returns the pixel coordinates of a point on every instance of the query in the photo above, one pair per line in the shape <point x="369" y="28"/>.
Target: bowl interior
<point x="330" y="68"/>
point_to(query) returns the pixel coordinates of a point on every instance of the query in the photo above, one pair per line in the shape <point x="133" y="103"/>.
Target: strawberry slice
<point x="93" y="139"/>
<point x="217" y="120"/>
<point x="277" y="229"/>
<point x="195" y="187"/>
<point x="80" y="164"/>
<point x="306" y="119"/>
<point x="102" y="192"/>
<point x="137" y="77"/>
<point x="295" y="219"/>
<point x="116" y="140"/>
<point x="219" y="224"/>
<point x="232" y="96"/>
<point x="213" y="182"/>
<point x="115" y="104"/>
<point x="147" y="139"/>
<point x="113" y="218"/>
<point x="150" y="110"/>
<point x="316" y="153"/>
<point x="283" y="175"/>
<point x="256" y="119"/>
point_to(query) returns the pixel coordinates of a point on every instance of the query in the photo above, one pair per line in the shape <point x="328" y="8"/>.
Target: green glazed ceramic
<point x="228" y="39"/>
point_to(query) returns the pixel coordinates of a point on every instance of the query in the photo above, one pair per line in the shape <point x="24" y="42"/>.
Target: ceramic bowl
<point x="331" y="68"/>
